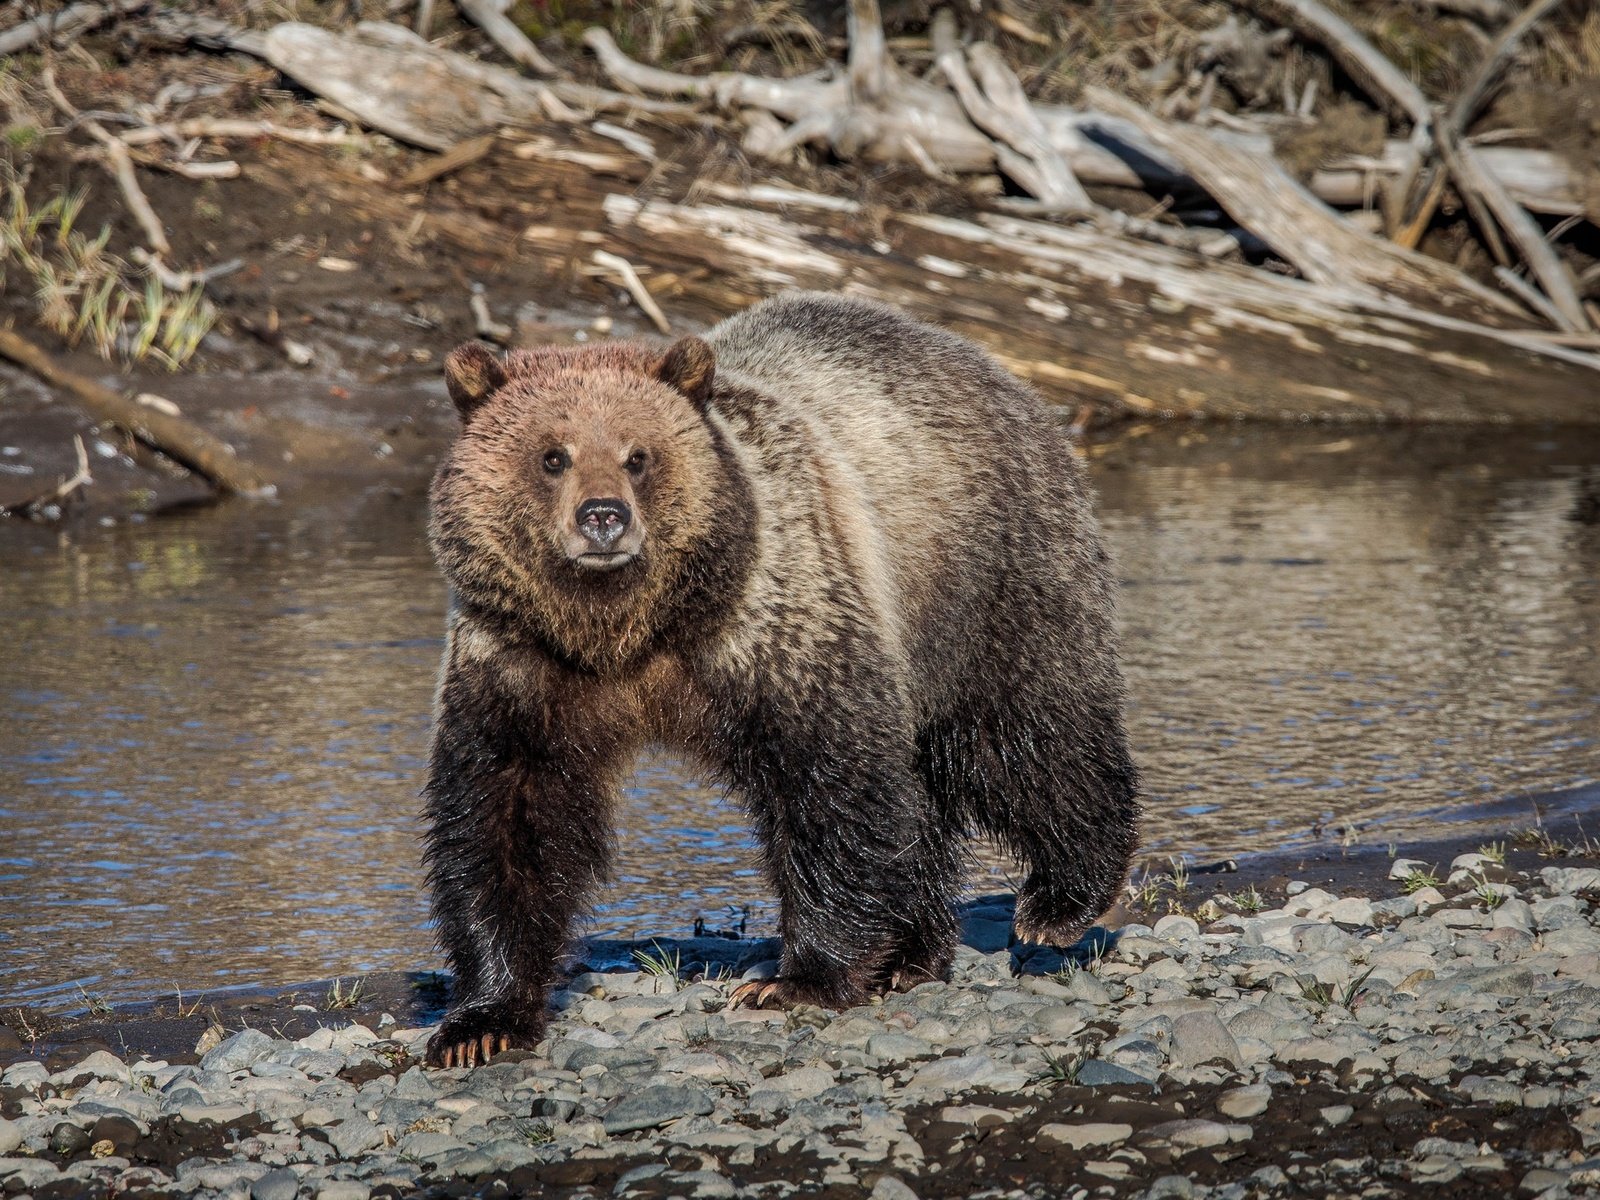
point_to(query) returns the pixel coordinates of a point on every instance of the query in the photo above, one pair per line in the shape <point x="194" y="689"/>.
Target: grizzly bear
<point x="840" y="559"/>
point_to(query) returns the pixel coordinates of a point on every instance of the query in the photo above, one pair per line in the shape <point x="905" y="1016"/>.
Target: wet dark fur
<point x="876" y="607"/>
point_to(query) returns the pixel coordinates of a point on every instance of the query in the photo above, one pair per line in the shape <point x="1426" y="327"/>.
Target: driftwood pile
<point x="1340" y="317"/>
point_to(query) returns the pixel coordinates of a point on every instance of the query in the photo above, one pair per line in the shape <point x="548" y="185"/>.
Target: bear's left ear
<point x="472" y="373"/>
<point x="690" y="366"/>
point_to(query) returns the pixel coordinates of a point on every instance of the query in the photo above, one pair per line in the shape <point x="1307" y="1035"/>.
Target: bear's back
<point x="929" y="449"/>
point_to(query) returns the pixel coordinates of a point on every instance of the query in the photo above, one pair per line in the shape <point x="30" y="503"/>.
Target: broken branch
<point x="69" y="23"/>
<point x="119" y="162"/>
<point x="623" y="269"/>
<point x="490" y="16"/>
<point x="178" y="438"/>
<point x="62" y="491"/>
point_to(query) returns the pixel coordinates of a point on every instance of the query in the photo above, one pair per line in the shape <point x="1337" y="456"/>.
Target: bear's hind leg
<point x="1055" y="785"/>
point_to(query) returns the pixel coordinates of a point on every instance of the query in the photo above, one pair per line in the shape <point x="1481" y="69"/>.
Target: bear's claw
<point x="755" y="994"/>
<point x="472" y="1039"/>
<point x="470" y="1053"/>
<point x="779" y="993"/>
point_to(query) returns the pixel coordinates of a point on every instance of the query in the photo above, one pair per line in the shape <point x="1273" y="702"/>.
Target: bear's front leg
<point x="518" y="831"/>
<point x="864" y="871"/>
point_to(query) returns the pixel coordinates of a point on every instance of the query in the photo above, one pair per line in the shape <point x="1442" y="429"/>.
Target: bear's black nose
<point x="602" y="522"/>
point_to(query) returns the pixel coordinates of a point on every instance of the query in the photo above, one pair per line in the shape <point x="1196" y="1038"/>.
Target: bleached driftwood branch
<point x="64" y="24"/>
<point x="119" y="163"/>
<point x="490" y="16"/>
<point x="1266" y="200"/>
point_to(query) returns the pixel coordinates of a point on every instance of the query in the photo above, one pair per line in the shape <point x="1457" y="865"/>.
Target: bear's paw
<point x="469" y="1038"/>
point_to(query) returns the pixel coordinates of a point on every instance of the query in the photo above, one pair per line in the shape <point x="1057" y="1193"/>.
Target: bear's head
<point x="582" y="481"/>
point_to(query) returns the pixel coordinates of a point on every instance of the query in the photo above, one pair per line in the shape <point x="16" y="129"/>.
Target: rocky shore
<point x="1440" y="1037"/>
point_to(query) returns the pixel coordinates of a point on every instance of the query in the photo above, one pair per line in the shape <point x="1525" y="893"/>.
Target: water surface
<point x="218" y="720"/>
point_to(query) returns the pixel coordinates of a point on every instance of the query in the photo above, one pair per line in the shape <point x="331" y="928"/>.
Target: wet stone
<point x="239" y="1052"/>
<point x="1096" y="1072"/>
<point x="279" y="1184"/>
<point x="1242" y="1103"/>
<point x="655" y="1106"/>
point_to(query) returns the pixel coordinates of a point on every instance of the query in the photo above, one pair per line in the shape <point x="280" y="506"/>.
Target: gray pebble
<point x="892" y="1187"/>
<point x="239" y="1052"/>
<point x="280" y="1184"/>
<point x="655" y="1106"/>
<point x="1199" y="1037"/>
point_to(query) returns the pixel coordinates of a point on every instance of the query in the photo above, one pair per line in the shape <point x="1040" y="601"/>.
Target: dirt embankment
<point x="356" y="260"/>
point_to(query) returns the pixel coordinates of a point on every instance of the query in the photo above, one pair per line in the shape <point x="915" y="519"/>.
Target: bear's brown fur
<point x="841" y="559"/>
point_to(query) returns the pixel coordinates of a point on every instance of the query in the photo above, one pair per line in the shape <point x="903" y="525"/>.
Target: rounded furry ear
<point x="472" y="373"/>
<point x="690" y="366"/>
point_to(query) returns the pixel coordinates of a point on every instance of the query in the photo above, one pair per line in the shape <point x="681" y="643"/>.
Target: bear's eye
<point x="556" y="461"/>
<point x="636" y="461"/>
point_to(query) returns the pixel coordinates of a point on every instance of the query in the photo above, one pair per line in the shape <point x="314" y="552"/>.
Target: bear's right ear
<point x="690" y="366"/>
<point x="472" y="374"/>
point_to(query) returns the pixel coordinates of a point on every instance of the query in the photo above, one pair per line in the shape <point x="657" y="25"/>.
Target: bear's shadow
<point x="985" y="927"/>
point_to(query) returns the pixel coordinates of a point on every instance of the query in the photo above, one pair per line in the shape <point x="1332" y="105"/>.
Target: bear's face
<point x="581" y="478"/>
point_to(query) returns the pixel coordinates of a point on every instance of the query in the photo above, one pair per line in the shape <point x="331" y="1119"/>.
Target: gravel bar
<point x="1438" y="1042"/>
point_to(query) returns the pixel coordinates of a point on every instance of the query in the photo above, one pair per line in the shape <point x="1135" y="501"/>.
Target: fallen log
<point x="178" y="438"/>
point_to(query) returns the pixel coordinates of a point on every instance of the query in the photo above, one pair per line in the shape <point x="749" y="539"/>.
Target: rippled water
<point x="218" y="720"/>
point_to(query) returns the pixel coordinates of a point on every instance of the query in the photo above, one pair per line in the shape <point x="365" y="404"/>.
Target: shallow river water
<point x="217" y="720"/>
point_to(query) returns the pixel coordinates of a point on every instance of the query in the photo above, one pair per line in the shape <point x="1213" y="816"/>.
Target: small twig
<point x="1361" y="60"/>
<point x="869" y="55"/>
<point x="1409" y="234"/>
<point x="224" y="168"/>
<point x="119" y="163"/>
<point x="1485" y="12"/>
<point x="423" y="25"/>
<point x="460" y="155"/>
<point x="58" y="494"/>
<point x="623" y="269"/>
<point x="1533" y="298"/>
<point x="182" y="281"/>
<point x="1469" y="99"/>
<point x="487" y="326"/>
<point x="637" y="142"/>
<point x="490" y="16"/>
<point x="212" y="127"/>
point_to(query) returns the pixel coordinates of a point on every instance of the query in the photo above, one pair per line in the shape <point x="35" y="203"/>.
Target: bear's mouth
<point x="600" y="560"/>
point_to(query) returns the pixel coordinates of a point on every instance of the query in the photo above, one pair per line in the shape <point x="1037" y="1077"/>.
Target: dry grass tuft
<point x="85" y="293"/>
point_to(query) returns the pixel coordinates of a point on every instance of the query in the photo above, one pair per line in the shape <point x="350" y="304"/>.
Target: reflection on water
<point x="218" y="721"/>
